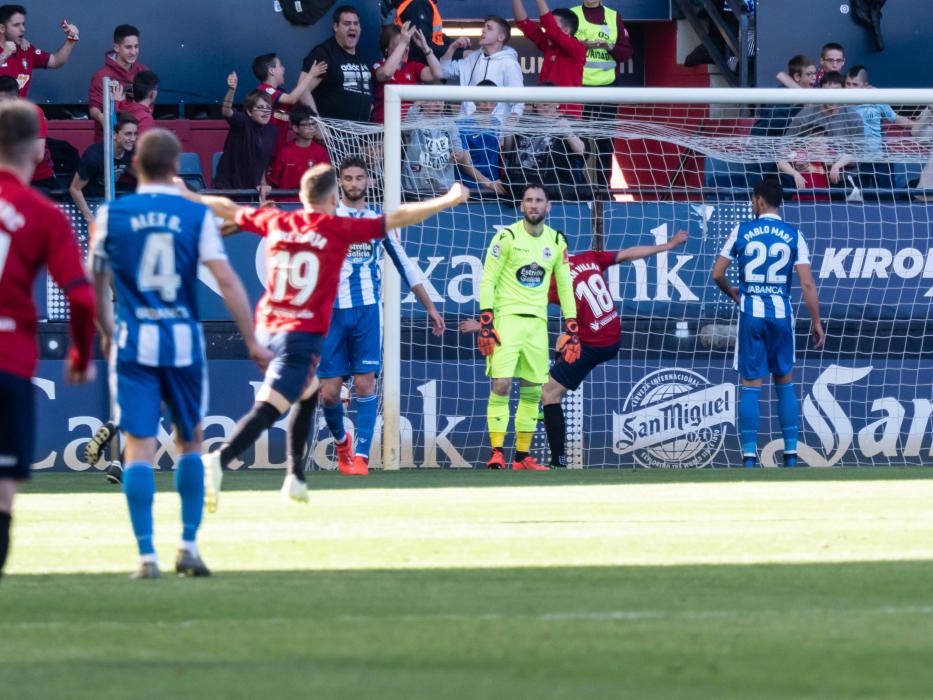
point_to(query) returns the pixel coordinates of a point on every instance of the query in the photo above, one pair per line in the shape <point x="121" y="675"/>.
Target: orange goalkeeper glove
<point x="568" y="344"/>
<point x="488" y="336"/>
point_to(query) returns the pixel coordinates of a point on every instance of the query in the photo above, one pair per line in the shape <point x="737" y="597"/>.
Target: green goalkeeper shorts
<point x="524" y="350"/>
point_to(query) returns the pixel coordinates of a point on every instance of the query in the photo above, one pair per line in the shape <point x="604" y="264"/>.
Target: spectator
<point x="121" y="64"/>
<point x="18" y="58"/>
<point x="773" y="120"/>
<point x="424" y="16"/>
<point x="250" y="143"/>
<point x="832" y="59"/>
<point x="564" y="56"/>
<point x="396" y="69"/>
<point x="432" y="152"/>
<point x="344" y="91"/>
<point x="923" y="129"/>
<point x="43" y="177"/>
<point x="480" y="134"/>
<point x="270" y="72"/>
<point x="549" y="153"/>
<point x="808" y="165"/>
<point x="842" y="125"/>
<point x="494" y="61"/>
<point x="304" y="152"/>
<point x="875" y="172"/>
<point x="89" y="179"/>
<point x="145" y="92"/>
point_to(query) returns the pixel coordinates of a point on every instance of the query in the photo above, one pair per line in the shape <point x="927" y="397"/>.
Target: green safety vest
<point x="600" y="67"/>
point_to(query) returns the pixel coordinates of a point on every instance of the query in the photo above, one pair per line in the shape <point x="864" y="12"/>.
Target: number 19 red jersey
<point x="304" y="255"/>
<point x="597" y="315"/>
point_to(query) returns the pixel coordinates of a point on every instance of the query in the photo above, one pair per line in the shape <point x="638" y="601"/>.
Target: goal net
<point x="636" y="167"/>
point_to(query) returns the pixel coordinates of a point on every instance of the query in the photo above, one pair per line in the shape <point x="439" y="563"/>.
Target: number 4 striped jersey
<point x="597" y="316"/>
<point x="305" y="252"/>
<point x="766" y="250"/>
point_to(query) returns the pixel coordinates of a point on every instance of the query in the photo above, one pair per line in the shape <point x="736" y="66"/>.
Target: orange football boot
<point x="530" y="464"/>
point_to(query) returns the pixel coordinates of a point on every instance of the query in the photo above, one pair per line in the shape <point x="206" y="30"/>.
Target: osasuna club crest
<point x="675" y="419"/>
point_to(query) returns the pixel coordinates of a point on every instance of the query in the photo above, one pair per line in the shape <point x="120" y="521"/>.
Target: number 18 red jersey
<point x="597" y="315"/>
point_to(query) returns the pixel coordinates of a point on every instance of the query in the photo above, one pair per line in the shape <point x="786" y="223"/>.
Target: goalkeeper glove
<point x="488" y="336"/>
<point x="568" y="344"/>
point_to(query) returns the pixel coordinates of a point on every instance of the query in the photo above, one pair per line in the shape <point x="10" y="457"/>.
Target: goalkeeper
<point x="513" y="337"/>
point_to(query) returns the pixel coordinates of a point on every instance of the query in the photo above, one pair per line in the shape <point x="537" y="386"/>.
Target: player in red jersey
<point x="305" y="251"/>
<point x="33" y="233"/>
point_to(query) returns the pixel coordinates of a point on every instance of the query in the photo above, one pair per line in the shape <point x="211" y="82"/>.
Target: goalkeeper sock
<point x="522" y="445"/>
<point x="749" y="417"/>
<point x="788" y="412"/>
<point x="260" y="418"/>
<point x="497" y="417"/>
<point x="6" y="521"/>
<point x="189" y="482"/>
<point x="333" y="416"/>
<point x="365" y="424"/>
<point x="299" y="428"/>
<point x="526" y="419"/>
<point x="139" y="487"/>
<point x="556" y="431"/>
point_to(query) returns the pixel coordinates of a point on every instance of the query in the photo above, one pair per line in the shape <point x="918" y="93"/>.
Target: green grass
<point x="598" y="584"/>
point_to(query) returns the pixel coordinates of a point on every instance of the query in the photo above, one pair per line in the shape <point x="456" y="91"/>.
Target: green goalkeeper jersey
<point x="517" y="273"/>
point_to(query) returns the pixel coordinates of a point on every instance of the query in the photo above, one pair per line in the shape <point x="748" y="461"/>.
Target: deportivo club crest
<point x="547" y="253"/>
<point x="674" y="418"/>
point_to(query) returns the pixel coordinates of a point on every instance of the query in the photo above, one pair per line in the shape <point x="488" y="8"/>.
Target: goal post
<point x="838" y="428"/>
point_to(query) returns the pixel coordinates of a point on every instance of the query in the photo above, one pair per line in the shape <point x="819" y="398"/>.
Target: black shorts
<point x="17" y="426"/>
<point x="571" y="376"/>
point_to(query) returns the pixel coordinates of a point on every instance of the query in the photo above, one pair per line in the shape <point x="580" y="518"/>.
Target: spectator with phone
<point x="19" y="58"/>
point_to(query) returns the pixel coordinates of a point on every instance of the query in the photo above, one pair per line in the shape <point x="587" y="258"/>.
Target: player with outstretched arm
<point x="767" y="251"/>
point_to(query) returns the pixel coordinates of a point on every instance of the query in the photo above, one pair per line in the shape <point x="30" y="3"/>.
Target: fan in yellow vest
<point x="607" y="41"/>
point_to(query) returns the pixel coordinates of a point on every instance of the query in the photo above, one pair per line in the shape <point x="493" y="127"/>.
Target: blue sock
<point x="788" y="412"/>
<point x="365" y="423"/>
<point x="139" y="487"/>
<point x="333" y="416"/>
<point x="749" y="417"/>
<point x="189" y="482"/>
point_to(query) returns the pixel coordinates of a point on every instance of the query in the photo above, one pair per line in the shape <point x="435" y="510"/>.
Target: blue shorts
<point x="17" y="426"/>
<point x="766" y="346"/>
<point x="140" y="390"/>
<point x="354" y="342"/>
<point x="296" y="357"/>
<point x="571" y="376"/>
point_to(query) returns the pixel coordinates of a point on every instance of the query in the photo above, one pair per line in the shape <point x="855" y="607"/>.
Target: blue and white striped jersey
<point x="153" y="242"/>
<point x="361" y="274"/>
<point x="766" y="250"/>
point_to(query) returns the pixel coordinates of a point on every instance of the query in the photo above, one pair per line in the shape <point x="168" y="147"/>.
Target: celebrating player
<point x="149" y="245"/>
<point x="33" y="233"/>
<point x="767" y="249"/>
<point x="305" y="251"/>
<point x="354" y="341"/>
<point x="513" y="336"/>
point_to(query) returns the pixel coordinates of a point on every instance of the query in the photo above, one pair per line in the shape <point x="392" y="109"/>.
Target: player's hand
<point x="232" y="80"/>
<point x="488" y="335"/>
<point x="105" y="342"/>
<point x="437" y="322"/>
<point x="470" y="325"/>
<point x="75" y="376"/>
<point x="678" y="239"/>
<point x="458" y="194"/>
<point x="818" y="335"/>
<point x="568" y="344"/>
<point x="260" y="354"/>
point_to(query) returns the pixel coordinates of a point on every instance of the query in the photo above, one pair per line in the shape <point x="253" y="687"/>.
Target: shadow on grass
<point x="95" y="482"/>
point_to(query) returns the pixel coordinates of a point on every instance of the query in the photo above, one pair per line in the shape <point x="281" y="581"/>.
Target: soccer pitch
<point x="598" y="584"/>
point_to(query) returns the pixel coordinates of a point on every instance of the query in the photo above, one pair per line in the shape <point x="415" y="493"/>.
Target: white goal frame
<point x="395" y="94"/>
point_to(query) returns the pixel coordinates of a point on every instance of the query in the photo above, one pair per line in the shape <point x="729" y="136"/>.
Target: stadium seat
<point x="214" y="161"/>
<point x="191" y="171"/>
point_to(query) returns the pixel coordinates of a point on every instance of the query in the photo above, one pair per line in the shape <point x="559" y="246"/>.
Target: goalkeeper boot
<point x="790" y="459"/>
<point x="295" y="489"/>
<point x="530" y="464"/>
<point x="497" y="461"/>
<point x="345" y="454"/>
<point x="115" y="472"/>
<point x="360" y="466"/>
<point x="190" y="565"/>
<point x="95" y="446"/>
<point x="750" y="461"/>
<point x="147" y="569"/>
<point x="213" y="476"/>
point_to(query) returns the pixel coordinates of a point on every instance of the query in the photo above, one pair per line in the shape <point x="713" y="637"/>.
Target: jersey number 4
<point x="157" y="268"/>
<point x="296" y="273"/>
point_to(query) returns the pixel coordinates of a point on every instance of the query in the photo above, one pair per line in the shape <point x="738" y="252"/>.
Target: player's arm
<point x="416" y="212"/>
<point x="719" y="277"/>
<point x="412" y="275"/>
<point x="223" y="207"/>
<point x="102" y="281"/>
<point x="496" y="260"/>
<point x="808" y="289"/>
<point x="568" y="344"/>
<point x="639" y="252"/>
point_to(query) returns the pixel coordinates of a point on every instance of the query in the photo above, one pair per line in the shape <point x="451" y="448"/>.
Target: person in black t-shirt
<point x="345" y="90"/>
<point x="89" y="178"/>
<point x="250" y="143"/>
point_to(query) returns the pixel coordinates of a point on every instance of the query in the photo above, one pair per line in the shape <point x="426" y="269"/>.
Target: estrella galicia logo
<point x="530" y="275"/>
<point x="360" y="251"/>
<point x="674" y="418"/>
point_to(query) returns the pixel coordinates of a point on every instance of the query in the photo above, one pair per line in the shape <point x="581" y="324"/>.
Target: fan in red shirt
<point x="18" y="58"/>
<point x="396" y="69"/>
<point x="270" y="72"/>
<point x="305" y="251"/>
<point x="121" y="65"/>
<point x="33" y="234"/>
<point x="564" y="56"/>
<point x="304" y="152"/>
